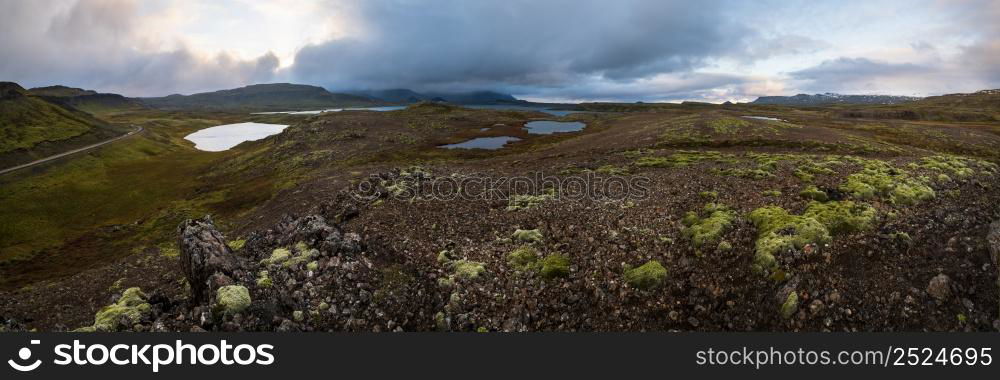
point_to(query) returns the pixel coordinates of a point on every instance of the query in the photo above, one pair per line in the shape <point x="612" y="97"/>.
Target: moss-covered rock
<point x="724" y="246"/>
<point x="790" y="306"/>
<point x="131" y="308"/>
<point x="647" y="276"/>
<point x="882" y="180"/>
<point x="778" y="232"/>
<point x="527" y="236"/>
<point x="278" y="256"/>
<point x="523" y="258"/>
<point x="467" y="269"/>
<point x="237" y="244"/>
<point x="707" y="231"/>
<point x="842" y="217"/>
<point x="814" y="193"/>
<point x="554" y="265"/>
<point x="524" y="202"/>
<point x="232" y="299"/>
<point x="264" y="279"/>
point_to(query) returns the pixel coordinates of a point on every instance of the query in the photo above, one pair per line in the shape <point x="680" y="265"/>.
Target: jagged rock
<point x="206" y="260"/>
<point x="940" y="287"/>
<point x="316" y="232"/>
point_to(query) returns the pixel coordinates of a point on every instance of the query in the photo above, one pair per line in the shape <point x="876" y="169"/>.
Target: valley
<point x="754" y="217"/>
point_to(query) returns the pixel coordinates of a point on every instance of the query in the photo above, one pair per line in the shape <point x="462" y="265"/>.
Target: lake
<point x="547" y="127"/>
<point x="491" y="143"/>
<point x="314" y="112"/>
<point x="224" y="137"/>
<point x="763" y="118"/>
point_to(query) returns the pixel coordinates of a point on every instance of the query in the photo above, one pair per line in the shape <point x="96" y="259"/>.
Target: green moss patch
<point x="527" y="236"/>
<point x="728" y="125"/>
<point x="524" y="202"/>
<point x="842" y="217"/>
<point x="232" y="299"/>
<point x="131" y="307"/>
<point x="647" y="276"/>
<point x="554" y="265"/>
<point x="879" y="179"/>
<point x="523" y="258"/>
<point x="779" y="232"/>
<point x="790" y="306"/>
<point x="467" y="269"/>
<point x="707" y="228"/>
<point x="814" y="193"/>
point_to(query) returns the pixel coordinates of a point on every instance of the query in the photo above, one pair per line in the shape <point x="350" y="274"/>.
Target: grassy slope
<point x="26" y="121"/>
<point x="95" y="207"/>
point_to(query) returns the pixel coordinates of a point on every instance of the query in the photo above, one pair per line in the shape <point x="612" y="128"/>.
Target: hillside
<point x="985" y="99"/>
<point x="261" y="97"/>
<point x="981" y="106"/>
<point x="832" y="98"/>
<point x="27" y="121"/>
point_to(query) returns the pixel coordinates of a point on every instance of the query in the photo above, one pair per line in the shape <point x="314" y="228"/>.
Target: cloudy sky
<point x="554" y="50"/>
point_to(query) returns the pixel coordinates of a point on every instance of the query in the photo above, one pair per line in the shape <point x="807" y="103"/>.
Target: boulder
<point x="206" y="261"/>
<point x="940" y="287"/>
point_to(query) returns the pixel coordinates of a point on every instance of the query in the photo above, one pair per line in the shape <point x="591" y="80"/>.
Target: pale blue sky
<point x="536" y="49"/>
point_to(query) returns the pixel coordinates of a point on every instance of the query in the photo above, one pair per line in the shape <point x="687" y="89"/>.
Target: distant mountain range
<point x="832" y="98"/>
<point x="86" y="100"/>
<point x="263" y="97"/>
<point x="405" y="96"/>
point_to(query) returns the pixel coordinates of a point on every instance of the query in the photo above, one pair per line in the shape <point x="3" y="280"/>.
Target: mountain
<point x="31" y="126"/>
<point x="402" y="95"/>
<point x="263" y="97"/>
<point x="397" y="95"/>
<point x="86" y="100"/>
<point x="832" y="98"/>
<point x="61" y="91"/>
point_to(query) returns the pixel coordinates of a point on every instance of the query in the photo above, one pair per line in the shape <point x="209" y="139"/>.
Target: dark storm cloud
<point x="94" y="44"/>
<point x="531" y="45"/>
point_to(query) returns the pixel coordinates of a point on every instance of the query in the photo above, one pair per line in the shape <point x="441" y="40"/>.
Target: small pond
<point x="491" y="143"/>
<point x="224" y="137"/>
<point x="547" y="127"/>
<point x="380" y="109"/>
<point x="763" y="118"/>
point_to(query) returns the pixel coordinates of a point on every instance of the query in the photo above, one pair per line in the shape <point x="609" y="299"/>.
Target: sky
<point x="542" y="50"/>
